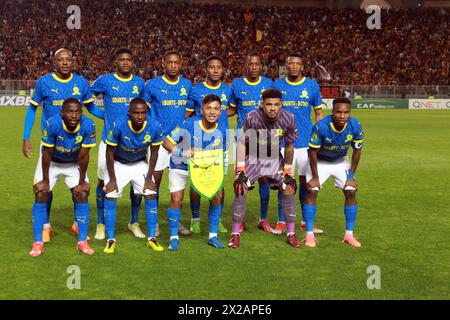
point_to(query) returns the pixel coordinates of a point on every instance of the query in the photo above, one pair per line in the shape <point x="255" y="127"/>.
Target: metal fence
<point x="25" y="87"/>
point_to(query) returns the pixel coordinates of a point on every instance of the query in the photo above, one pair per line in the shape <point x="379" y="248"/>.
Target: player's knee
<point x="239" y="208"/>
<point x="81" y="197"/>
<point x="150" y="197"/>
<point x="217" y="200"/>
<point x="41" y="197"/>
<point x="350" y="194"/>
<point x="101" y="183"/>
<point x="176" y="200"/>
<point x="263" y="180"/>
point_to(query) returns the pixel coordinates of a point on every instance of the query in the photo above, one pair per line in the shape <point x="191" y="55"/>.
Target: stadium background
<point x="403" y="175"/>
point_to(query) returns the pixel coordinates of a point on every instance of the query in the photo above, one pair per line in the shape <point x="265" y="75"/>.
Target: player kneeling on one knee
<point x="330" y="140"/>
<point x="126" y="159"/>
<point x="66" y="140"/>
<point x="197" y="139"/>
<point x="259" y="157"/>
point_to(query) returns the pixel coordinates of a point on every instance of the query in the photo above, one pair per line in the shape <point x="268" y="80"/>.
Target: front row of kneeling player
<point x="68" y="137"/>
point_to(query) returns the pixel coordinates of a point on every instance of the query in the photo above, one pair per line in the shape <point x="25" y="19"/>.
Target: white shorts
<point x="163" y="159"/>
<point x="126" y="173"/>
<point x="101" y="163"/>
<point x="69" y="171"/>
<point x="177" y="179"/>
<point x="325" y="169"/>
<point x="300" y="162"/>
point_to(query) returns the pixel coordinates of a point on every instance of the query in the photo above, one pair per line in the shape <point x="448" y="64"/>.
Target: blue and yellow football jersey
<point x="193" y="135"/>
<point x="132" y="145"/>
<point x="247" y="96"/>
<point x="117" y="93"/>
<point x="167" y="100"/>
<point x="67" y="144"/>
<point x="52" y="91"/>
<point x="333" y="145"/>
<point x="223" y="91"/>
<point x="300" y="98"/>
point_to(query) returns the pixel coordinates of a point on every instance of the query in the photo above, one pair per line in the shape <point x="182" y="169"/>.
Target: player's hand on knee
<point x="26" y="149"/>
<point x="82" y="187"/>
<point x="240" y="183"/>
<point x="41" y="186"/>
<point x="313" y="185"/>
<point x="149" y="185"/>
<point x="351" y="185"/>
<point x="289" y="183"/>
<point x="110" y="186"/>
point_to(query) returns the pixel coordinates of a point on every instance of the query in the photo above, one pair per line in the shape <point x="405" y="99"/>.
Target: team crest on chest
<point x="76" y="91"/>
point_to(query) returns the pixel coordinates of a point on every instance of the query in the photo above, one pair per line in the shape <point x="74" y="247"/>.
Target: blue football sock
<point x="135" y="205"/>
<point x="195" y="209"/>
<point x="151" y="213"/>
<point x="302" y="196"/>
<point x="309" y="212"/>
<point x="48" y="208"/>
<point x="280" y="207"/>
<point x="214" y="218"/>
<point x="100" y="198"/>
<point x="110" y="218"/>
<point x="174" y="221"/>
<point x="39" y="213"/>
<point x="350" y="217"/>
<point x="82" y="219"/>
<point x="264" y="195"/>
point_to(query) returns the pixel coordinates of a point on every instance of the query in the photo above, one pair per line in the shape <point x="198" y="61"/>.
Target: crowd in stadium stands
<point x="410" y="48"/>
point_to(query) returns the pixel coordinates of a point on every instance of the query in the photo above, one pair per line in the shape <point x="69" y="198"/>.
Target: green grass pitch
<point x="403" y="224"/>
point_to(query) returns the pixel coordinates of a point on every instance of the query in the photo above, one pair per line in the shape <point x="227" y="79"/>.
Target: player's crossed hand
<point x="240" y="181"/>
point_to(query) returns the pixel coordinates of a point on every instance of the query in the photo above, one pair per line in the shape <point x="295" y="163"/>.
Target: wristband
<point x="350" y="175"/>
<point x="287" y="169"/>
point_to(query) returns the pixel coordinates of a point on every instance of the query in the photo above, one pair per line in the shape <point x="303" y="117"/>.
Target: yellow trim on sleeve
<point x="358" y="141"/>
<point x="171" y="140"/>
<point x="295" y="83"/>
<point x="157" y="143"/>
<point x="232" y="105"/>
<point x="34" y="103"/>
<point x="88" y="101"/>
<point x="111" y="143"/>
<point x="252" y="83"/>
<point x="314" y="146"/>
<point x="88" y="145"/>
<point x="188" y="109"/>
<point x="47" y="144"/>
<point x="318" y="107"/>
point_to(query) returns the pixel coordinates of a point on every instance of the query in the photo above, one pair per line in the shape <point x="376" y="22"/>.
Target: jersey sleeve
<point x="291" y="131"/>
<point x="157" y="135"/>
<point x="99" y="86"/>
<point x="48" y="136"/>
<point x="317" y="102"/>
<point x="179" y="133"/>
<point x="89" y="136"/>
<point x="190" y="105"/>
<point x="233" y="96"/>
<point x="87" y="95"/>
<point x="112" y="138"/>
<point x="38" y="94"/>
<point x="315" y="140"/>
<point x="148" y="93"/>
<point x="358" y="136"/>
